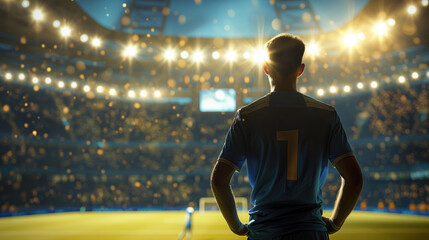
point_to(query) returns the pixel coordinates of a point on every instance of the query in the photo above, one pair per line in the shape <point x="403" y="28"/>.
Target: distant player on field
<point x="188" y="224"/>
<point x="287" y="139"/>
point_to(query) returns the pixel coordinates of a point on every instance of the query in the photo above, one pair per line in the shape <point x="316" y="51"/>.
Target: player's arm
<point x="220" y="183"/>
<point x="348" y="194"/>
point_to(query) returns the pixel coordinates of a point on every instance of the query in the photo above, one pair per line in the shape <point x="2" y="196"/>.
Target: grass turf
<point x="168" y="225"/>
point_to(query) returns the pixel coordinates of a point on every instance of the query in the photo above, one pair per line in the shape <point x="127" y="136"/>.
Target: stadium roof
<point x="221" y="18"/>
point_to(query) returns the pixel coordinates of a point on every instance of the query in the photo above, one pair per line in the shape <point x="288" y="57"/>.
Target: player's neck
<point x="283" y="87"/>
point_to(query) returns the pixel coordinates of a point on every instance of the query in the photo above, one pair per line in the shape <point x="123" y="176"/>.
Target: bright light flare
<point x="347" y="88"/>
<point x="215" y="55"/>
<point x="25" y="4"/>
<point x="37" y="15"/>
<point x="130" y="51"/>
<point x="131" y="94"/>
<point x="61" y="84"/>
<point x="361" y="36"/>
<point x="112" y="92"/>
<point x="313" y="49"/>
<point x="21" y="76"/>
<point x="35" y="80"/>
<point x="374" y="84"/>
<point x="184" y="54"/>
<point x="157" y="94"/>
<point x="231" y="56"/>
<point x="359" y="85"/>
<point x="415" y="75"/>
<point x="86" y="88"/>
<point x="350" y="40"/>
<point x="380" y="28"/>
<point x="56" y="24"/>
<point x="391" y="22"/>
<point x="333" y="89"/>
<point x="170" y="54"/>
<point x="246" y="55"/>
<point x="425" y="3"/>
<point x="65" y="31"/>
<point x="84" y="38"/>
<point x="73" y="84"/>
<point x="260" y="56"/>
<point x="8" y="76"/>
<point x="143" y="93"/>
<point x="320" y="92"/>
<point x="99" y="89"/>
<point x="96" y="42"/>
<point x="198" y="56"/>
<point x="401" y="79"/>
<point x="48" y="80"/>
<point x="411" y="9"/>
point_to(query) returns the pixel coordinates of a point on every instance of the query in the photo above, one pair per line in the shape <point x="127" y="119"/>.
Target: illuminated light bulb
<point x="391" y="22"/>
<point x="48" y="80"/>
<point x="73" y="85"/>
<point x="157" y="94"/>
<point x="411" y="9"/>
<point x="320" y="92"/>
<point x="112" y="92"/>
<point x="21" y="76"/>
<point x="65" y="31"/>
<point x="84" y="38"/>
<point x="56" y="24"/>
<point x="347" y="88"/>
<point x="86" y="88"/>
<point x="360" y="85"/>
<point x="143" y="93"/>
<point x="415" y="75"/>
<point x="131" y="94"/>
<point x="35" y="80"/>
<point x="215" y="55"/>
<point x="8" y="76"/>
<point x="37" y="15"/>
<point x="374" y="84"/>
<point x="184" y="54"/>
<point x="333" y="89"/>
<point x="61" y="84"/>
<point x="96" y="42"/>
<point x="99" y="89"/>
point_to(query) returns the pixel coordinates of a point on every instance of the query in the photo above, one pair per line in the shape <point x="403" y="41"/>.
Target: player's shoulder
<point x="256" y="105"/>
<point x="313" y="103"/>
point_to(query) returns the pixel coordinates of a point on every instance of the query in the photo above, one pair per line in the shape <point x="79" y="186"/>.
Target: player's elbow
<point x="355" y="181"/>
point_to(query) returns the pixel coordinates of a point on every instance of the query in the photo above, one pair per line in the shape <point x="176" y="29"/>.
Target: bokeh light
<point x="374" y="84"/>
<point x="320" y="92"/>
<point x="347" y="88"/>
<point x="131" y="94"/>
<point x="401" y="79"/>
<point x="99" y="89"/>
<point x="86" y="88"/>
<point x="35" y="80"/>
<point x="380" y="28"/>
<point x="65" y="31"/>
<point x="215" y="55"/>
<point x="61" y="84"/>
<point x="415" y="75"/>
<point x="48" y="80"/>
<point x="56" y="24"/>
<point x="170" y="54"/>
<point x="313" y="49"/>
<point x="96" y="42"/>
<point x="37" y="15"/>
<point x="8" y="76"/>
<point x="157" y="94"/>
<point x="84" y="38"/>
<point x="21" y="76"/>
<point x="130" y="51"/>
<point x="198" y="56"/>
<point x="411" y="9"/>
<point x="350" y="40"/>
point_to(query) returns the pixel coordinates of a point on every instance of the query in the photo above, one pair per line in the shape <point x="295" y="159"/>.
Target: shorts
<point x="303" y="235"/>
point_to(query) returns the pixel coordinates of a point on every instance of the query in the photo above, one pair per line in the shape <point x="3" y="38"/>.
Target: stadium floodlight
<point x="198" y="56"/>
<point x="184" y="54"/>
<point x="65" y="31"/>
<point x="131" y="94"/>
<point x="48" y="80"/>
<point x="320" y="92"/>
<point x="96" y="42"/>
<point x="391" y="22"/>
<point x="415" y="75"/>
<point x="157" y="94"/>
<point x="361" y="36"/>
<point x="380" y="28"/>
<point x="86" y="88"/>
<point x="231" y="56"/>
<point x="333" y="89"/>
<point x="350" y="40"/>
<point x="37" y="15"/>
<point x="35" y="80"/>
<point x="73" y="84"/>
<point x="169" y="54"/>
<point x="112" y="92"/>
<point x="56" y="24"/>
<point x="215" y="55"/>
<point x="260" y="56"/>
<point x="425" y="3"/>
<point x="130" y="51"/>
<point x="374" y="84"/>
<point x="99" y="89"/>
<point x="401" y="79"/>
<point x="347" y="88"/>
<point x="84" y="38"/>
<point x="246" y="55"/>
<point x="359" y="85"/>
<point x="143" y="93"/>
<point x="313" y="49"/>
<point x="25" y="4"/>
<point x="21" y="76"/>
<point x="60" y="84"/>
<point x="8" y="76"/>
<point x="411" y="9"/>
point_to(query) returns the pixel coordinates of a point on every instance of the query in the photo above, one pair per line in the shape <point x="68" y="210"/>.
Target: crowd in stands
<point x="60" y="150"/>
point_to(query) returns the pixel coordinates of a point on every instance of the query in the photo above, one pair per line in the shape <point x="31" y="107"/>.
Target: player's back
<point x="286" y="144"/>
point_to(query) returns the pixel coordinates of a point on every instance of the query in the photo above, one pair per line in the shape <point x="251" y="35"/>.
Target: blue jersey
<point x="287" y="139"/>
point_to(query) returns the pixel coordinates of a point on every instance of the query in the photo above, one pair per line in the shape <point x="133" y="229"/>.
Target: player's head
<point x="285" y="52"/>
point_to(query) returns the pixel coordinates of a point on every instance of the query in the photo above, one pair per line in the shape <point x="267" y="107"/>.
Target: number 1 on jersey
<point x="291" y="137"/>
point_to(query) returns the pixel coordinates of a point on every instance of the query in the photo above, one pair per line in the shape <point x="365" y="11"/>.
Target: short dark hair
<point x="285" y="53"/>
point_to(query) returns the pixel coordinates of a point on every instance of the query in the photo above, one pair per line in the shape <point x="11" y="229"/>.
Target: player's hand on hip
<point x="331" y="229"/>
<point x="242" y="230"/>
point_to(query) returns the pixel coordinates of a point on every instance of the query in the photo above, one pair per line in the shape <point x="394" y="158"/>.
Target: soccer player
<point x="287" y="139"/>
<point x="188" y="224"/>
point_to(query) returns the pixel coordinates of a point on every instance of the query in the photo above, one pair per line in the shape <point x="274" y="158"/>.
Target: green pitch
<point x="168" y="225"/>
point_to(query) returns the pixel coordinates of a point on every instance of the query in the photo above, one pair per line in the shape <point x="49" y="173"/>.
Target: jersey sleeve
<point x="233" y="151"/>
<point x="339" y="147"/>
